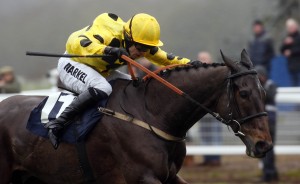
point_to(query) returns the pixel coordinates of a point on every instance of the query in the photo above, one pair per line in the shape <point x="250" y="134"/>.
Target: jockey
<point x="108" y="34"/>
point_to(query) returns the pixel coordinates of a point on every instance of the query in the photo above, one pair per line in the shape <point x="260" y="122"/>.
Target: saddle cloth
<point x="52" y="106"/>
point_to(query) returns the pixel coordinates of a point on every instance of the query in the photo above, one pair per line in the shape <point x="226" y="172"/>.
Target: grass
<point x="242" y="170"/>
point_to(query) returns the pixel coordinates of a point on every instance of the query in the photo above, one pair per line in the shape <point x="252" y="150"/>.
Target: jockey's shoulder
<point x="108" y="17"/>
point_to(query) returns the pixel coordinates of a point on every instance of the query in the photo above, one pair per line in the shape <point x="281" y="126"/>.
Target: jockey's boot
<point x="80" y="103"/>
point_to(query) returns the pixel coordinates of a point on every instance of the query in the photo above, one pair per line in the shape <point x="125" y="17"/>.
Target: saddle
<point x="52" y="106"/>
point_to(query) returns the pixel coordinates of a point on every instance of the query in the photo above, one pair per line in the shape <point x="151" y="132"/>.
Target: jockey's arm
<point x="160" y="57"/>
<point x="84" y="44"/>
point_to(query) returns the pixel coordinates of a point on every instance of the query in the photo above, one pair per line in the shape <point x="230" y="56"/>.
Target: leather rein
<point x="232" y="101"/>
<point x="130" y="62"/>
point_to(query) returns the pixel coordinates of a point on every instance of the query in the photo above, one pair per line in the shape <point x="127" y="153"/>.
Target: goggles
<point x="142" y="48"/>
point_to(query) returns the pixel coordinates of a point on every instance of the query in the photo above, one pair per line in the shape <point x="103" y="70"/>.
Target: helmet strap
<point x="130" y="30"/>
<point x="127" y="41"/>
<point x="128" y="37"/>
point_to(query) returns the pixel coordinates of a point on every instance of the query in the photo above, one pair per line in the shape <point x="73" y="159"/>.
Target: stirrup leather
<point x="53" y="124"/>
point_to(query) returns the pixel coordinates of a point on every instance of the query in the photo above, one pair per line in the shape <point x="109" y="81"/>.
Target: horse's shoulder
<point x="119" y="83"/>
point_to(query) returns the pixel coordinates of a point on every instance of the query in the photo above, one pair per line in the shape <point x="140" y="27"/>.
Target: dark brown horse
<point x="120" y="152"/>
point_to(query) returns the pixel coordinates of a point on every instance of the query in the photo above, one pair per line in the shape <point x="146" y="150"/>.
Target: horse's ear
<point x="245" y="59"/>
<point x="229" y="63"/>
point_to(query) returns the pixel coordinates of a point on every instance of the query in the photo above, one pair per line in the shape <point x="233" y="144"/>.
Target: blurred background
<point x="187" y="27"/>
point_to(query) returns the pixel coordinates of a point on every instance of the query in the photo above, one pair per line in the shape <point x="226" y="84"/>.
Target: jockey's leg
<point x="80" y="103"/>
<point x="91" y="88"/>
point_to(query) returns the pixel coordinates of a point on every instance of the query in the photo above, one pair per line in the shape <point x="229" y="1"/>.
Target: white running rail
<point x="284" y="96"/>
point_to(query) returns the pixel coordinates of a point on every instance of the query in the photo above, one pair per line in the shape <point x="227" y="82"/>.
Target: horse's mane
<point x="188" y="67"/>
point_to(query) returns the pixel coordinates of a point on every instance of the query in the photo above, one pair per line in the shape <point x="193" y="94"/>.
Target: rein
<point x="230" y="78"/>
<point x="231" y="122"/>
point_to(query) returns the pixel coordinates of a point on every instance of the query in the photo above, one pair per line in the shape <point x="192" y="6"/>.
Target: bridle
<point x="233" y="123"/>
<point x="232" y="103"/>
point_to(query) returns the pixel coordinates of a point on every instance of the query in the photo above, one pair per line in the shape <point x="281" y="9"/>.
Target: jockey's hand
<point x="114" y="51"/>
<point x="195" y="63"/>
<point x="137" y="82"/>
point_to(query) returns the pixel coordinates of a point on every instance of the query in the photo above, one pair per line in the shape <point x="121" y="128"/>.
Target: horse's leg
<point x="149" y="180"/>
<point x="114" y="176"/>
<point x="5" y="170"/>
<point x="33" y="180"/>
<point x="178" y="180"/>
<point x="21" y="177"/>
<point x="5" y="160"/>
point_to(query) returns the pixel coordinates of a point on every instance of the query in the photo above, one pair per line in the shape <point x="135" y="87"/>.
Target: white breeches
<point x="79" y="77"/>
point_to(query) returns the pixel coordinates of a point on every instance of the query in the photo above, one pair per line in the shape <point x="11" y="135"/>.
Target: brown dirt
<point x="241" y="169"/>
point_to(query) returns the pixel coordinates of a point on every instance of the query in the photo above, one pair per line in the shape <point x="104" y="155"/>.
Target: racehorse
<point x="119" y="152"/>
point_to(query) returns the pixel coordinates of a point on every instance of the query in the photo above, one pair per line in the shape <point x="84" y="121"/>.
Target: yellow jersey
<point x="107" y="30"/>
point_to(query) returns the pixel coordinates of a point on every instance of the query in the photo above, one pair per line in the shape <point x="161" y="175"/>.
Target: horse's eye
<point x="244" y="94"/>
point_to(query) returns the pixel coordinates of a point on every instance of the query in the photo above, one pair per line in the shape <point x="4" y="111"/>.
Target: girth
<point x="130" y="119"/>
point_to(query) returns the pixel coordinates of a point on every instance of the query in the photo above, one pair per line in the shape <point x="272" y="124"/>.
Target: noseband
<point x="232" y="103"/>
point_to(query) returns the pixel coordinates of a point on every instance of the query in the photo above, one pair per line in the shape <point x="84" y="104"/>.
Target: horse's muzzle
<point x="262" y="147"/>
<point x="259" y="150"/>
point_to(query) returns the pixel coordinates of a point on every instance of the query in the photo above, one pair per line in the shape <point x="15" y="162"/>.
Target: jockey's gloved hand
<point x="115" y="51"/>
<point x="137" y="82"/>
<point x="195" y="63"/>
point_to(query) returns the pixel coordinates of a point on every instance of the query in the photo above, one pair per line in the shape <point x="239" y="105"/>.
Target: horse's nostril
<point x="263" y="146"/>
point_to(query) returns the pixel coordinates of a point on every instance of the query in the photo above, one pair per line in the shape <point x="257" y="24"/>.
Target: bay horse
<point x="119" y="152"/>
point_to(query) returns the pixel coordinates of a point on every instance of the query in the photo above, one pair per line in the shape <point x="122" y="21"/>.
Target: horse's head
<point x="244" y="104"/>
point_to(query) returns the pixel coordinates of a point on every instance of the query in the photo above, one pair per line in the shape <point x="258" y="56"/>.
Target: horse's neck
<point x="159" y="106"/>
<point x="175" y="114"/>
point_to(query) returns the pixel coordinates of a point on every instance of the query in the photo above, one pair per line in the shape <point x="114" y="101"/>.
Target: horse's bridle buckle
<point x="237" y="132"/>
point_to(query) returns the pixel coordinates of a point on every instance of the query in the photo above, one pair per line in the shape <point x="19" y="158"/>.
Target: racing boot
<point x="79" y="104"/>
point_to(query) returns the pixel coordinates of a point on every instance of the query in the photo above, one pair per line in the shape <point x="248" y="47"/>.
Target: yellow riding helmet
<point x="144" y="29"/>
